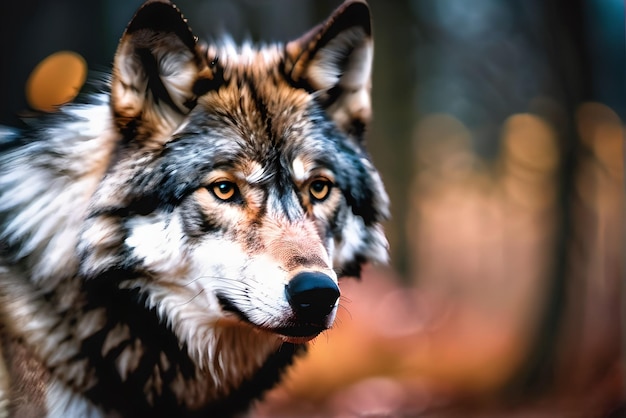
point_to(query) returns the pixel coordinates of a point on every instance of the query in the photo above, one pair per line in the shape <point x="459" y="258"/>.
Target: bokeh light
<point x="56" y="80"/>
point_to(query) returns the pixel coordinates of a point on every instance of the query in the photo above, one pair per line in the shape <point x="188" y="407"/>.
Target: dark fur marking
<point x="155" y="84"/>
<point x="253" y="389"/>
<point x="11" y="139"/>
<point x="196" y="223"/>
<point x="287" y="195"/>
<point x="260" y="104"/>
<point x="353" y="268"/>
<point x="127" y="396"/>
<point x="204" y="85"/>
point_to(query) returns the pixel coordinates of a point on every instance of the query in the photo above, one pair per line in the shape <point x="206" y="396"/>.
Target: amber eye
<point x="225" y="190"/>
<point x="320" y="189"/>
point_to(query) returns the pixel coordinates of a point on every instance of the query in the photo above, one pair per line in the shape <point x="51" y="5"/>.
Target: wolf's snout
<point x="312" y="296"/>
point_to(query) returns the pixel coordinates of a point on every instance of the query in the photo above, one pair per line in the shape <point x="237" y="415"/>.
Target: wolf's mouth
<point x="292" y="331"/>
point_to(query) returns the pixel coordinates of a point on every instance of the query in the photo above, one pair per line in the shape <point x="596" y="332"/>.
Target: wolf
<point x="172" y="241"/>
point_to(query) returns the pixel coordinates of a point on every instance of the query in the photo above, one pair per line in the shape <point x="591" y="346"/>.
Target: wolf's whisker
<point x="341" y="306"/>
<point x="191" y="299"/>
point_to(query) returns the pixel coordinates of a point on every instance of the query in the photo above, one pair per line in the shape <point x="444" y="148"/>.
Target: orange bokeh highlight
<point x="56" y="80"/>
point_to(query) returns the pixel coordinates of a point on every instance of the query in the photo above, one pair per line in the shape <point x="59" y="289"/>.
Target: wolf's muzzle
<point x="312" y="296"/>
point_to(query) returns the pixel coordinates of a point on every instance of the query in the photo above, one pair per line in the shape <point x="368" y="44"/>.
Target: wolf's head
<point x="241" y="189"/>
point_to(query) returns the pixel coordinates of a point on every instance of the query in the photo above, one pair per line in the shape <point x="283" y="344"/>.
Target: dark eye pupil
<point x="318" y="186"/>
<point x="320" y="189"/>
<point x="224" y="190"/>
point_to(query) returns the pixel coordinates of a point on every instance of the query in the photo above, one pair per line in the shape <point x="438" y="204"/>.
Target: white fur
<point x="158" y="243"/>
<point x="50" y="210"/>
<point x="234" y="55"/>
<point x="188" y="303"/>
<point x="298" y="169"/>
<point x="63" y="402"/>
<point x="186" y="297"/>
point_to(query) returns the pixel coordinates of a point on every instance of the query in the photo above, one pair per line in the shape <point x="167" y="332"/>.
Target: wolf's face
<point x="241" y="189"/>
<point x="168" y="248"/>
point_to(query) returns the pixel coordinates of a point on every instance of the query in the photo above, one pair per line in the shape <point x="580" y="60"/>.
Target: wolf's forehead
<point x="258" y="98"/>
<point x="259" y="109"/>
<point x="254" y="82"/>
<point x="256" y="115"/>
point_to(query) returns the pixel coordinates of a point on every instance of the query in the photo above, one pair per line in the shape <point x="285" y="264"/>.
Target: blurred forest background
<point x="499" y="130"/>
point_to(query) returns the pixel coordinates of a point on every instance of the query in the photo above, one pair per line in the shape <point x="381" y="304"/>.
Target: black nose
<point x="312" y="296"/>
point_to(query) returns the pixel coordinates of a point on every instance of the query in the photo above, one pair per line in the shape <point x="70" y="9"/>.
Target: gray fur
<point x="128" y="281"/>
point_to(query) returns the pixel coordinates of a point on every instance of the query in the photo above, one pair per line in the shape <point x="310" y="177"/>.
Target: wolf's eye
<point x="320" y="189"/>
<point x="224" y="190"/>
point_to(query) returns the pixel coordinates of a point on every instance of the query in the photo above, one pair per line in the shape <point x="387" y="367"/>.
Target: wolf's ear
<point x="334" y="59"/>
<point x="158" y="72"/>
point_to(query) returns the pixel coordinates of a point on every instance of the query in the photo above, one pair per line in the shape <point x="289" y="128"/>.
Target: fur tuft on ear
<point x="158" y="72"/>
<point x="335" y="60"/>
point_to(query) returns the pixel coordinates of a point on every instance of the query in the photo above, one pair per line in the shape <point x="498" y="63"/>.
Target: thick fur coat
<point x="170" y="244"/>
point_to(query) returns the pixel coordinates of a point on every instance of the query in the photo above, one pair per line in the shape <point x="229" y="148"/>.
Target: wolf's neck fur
<point x="121" y="352"/>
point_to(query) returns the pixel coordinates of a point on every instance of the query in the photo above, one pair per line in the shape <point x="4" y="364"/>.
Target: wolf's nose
<point x="312" y="295"/>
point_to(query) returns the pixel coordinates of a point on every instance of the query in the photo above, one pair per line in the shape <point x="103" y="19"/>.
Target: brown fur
<point x="174" y="243"/>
